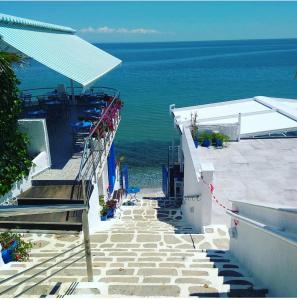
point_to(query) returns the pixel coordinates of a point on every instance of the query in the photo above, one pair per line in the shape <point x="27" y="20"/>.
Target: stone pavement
<point x="149" y="251"/>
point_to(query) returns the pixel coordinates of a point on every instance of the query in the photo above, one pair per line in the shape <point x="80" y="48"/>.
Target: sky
<point x="164" y="21"/>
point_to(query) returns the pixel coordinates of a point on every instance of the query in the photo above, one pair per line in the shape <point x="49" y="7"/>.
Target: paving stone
<point x="153" y="259"/>
<point x="124" y="238"/>
<point x="194" y="273"/>
<point x="156" y="280"/>
<point x="42" y="244"/>
<point x="192" y="280"/>
<point x="113" y="254"/>
<point x="201" y="266"/>
<point x="171" y="265"/>
<point x="144" y="290"/>
<point x="171" y="239"/>
<point x="127" y="279"/>
<point x="156" y="272"/>
<point x="127" y="246"/>
<point x="222" y="232"/>
<point x="141" y="265"/>
<point x="86" y="291"/>
<point x="125" y="259"/>
<point x="120" y="271"/>
<point x="106" y="246"/>
<point x="222" y="243"/>
<point x="150" y="245"/>
<point x="148" y="238"/>
<point x="184" y="246"/>
<point x="205" y="245"/>
<point x="203" y="291"/>
<point x="95" y="258"/>
<point x="116" y="265"/>
<point x="153" y="254"/>
<point x="99" y="238"/>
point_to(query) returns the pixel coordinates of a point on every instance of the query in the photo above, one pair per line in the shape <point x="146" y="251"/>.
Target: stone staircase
<point x="148" y="251"/>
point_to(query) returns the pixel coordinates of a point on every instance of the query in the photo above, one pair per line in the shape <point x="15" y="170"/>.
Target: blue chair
<point x="130" y="190"/>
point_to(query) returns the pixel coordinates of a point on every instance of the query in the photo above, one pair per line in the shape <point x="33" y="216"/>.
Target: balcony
<point x="81" y="127"/>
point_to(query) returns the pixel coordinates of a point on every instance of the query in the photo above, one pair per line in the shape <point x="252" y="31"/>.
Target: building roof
<point x="253" y="170"/>
<point x="259" y="115"/>
<point x="57" y="47"/>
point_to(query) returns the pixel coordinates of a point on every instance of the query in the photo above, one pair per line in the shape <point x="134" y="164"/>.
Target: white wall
<point x="269" y="254"/>
<point x="196" y="211"/>
<point x="37" y="133"/>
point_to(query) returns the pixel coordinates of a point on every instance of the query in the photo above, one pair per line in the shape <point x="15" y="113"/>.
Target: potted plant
<point x="103" y="213"/>
<point x="219" y="139"/>
<point x="111" y="207"/>
<point x="194" y="130"/>
<point x="205" y="139"/>
<point x="14" y="248"/>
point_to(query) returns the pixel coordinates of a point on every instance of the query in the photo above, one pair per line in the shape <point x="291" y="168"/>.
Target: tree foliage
<point x="15" y="162"/>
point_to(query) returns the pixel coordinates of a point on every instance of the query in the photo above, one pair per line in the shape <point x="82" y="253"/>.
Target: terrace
<point x="72" y="122"/>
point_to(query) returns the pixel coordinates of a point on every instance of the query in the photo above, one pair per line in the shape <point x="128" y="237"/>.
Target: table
<point x="93" y="111"/>
<point x="82" y="125"/>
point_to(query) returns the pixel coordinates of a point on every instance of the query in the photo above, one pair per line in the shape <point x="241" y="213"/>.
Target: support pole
<point x="85" y="225"/>
<point x="239" y="126"/>
<point x="72" y="92"/>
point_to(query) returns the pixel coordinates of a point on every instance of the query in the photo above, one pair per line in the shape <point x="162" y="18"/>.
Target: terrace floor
<point x="253" y="170"/>
<point x="65" y="158"/>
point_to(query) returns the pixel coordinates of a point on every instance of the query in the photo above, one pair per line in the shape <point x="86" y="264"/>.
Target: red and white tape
<point x="211" y="189"/>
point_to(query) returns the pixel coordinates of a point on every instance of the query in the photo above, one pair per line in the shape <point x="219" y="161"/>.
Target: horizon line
<point x="193" y="41"/>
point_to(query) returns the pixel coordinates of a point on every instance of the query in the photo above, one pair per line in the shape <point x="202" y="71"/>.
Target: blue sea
<point x="155" y="75"/>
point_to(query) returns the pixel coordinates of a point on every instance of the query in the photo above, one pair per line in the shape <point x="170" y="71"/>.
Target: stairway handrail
<point x="37" y="265"/>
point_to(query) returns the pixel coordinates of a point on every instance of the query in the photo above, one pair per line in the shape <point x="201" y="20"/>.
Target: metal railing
<point x="32" y="95"/>
<point x="97" y="144"/>
<point x="7" y="211"/>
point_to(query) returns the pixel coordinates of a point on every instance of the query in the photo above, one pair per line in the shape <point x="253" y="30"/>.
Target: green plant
<point x="101" y="200"/>
<point x="194" y="126"/>
<point x="205" y="136"/>
<point x="104" y="210"/>
<point x="220" y="136"/>
<point x="21" y="253"/>
<point x="15" y="162"/>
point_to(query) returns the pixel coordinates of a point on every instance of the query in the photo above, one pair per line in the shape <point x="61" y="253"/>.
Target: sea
<point x="155" y="75"/>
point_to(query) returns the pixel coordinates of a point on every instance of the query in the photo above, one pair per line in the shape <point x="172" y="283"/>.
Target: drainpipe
<point x="239" y="126"/>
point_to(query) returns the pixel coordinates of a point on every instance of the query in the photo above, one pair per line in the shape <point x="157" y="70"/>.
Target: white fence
<point x="265" y="242"/>
<point x="197" y="203"/>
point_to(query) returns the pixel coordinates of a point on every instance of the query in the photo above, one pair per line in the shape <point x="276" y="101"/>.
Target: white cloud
<point x="106" y="29"/>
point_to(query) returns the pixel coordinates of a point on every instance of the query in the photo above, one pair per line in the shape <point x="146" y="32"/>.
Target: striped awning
<point x="56" y="47"/>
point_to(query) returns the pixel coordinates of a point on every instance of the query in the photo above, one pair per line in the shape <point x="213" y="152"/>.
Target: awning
<point x="56" y="47"/>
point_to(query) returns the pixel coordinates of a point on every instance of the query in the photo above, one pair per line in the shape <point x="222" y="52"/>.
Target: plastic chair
<point x="132" y="191"/>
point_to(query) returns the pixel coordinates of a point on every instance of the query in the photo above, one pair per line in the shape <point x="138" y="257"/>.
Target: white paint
<point x="37" y="134"/>
<point x="197" y="212"/>
<point x="259" y="115"/>
<point x="266" y="245"/>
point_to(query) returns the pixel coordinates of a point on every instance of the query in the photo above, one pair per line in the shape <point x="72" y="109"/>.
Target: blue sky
<point x="165" y="21"/>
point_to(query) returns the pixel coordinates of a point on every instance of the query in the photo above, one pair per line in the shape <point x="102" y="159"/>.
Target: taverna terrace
<point x="223" y="224"/>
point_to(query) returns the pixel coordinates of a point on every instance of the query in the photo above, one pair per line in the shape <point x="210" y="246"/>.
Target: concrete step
<point x="47" y="192"/>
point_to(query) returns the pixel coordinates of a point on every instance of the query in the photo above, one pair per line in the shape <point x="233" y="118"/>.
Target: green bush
<point x="15" y="162"/>
<point x="205" y="136"/>
<point x="21" y="253"/>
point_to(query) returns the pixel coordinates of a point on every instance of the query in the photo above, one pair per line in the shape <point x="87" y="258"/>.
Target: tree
<point x="15" y="162"/>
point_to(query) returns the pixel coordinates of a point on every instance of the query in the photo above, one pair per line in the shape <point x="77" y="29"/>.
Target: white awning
<point x="56" y="47"/>
<point x="259" y="115"/>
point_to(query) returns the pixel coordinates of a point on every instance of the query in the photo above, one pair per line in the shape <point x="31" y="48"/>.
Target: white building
<point x="249" y="185"/>
<point x="70" y="167"/>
